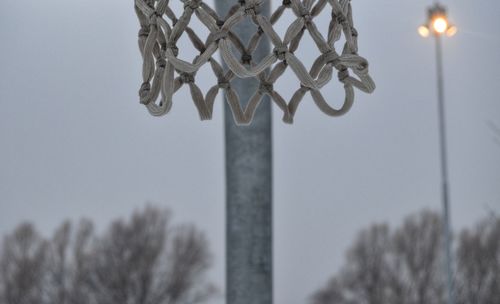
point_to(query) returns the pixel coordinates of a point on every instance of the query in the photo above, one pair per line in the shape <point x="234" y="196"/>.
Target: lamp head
<point x="437" y="23"/>
<point x="440" y="24"/>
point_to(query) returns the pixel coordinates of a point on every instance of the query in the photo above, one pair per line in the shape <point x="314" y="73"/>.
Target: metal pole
<point x="444" y="170"/>
<point x="248" y="187"/>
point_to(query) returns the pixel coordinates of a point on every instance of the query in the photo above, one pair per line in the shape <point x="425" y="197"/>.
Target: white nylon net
<point x="164" y="73"/>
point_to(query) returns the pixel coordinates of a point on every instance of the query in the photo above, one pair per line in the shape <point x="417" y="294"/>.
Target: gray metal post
<point x="248" y="188"/>
<point x="444" y="170"/>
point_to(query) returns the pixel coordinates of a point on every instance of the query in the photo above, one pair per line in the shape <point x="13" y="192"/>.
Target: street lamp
<point x="438" y="25"/>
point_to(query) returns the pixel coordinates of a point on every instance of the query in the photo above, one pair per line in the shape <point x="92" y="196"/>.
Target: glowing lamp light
<point x="451" y="31"/>
<point x="424" y="31"/>
<point x="440" y="25"/>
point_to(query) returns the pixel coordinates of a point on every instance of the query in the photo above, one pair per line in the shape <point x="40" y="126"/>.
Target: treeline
<point x="405" y="265"/>
<point x="142" y="260"/>
<point x="147" y="260"/>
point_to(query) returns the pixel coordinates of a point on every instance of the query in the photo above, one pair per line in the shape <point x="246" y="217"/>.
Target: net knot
<point x="343" y="74"/>
<point x="280" y="52"/>
<point x="266" y="87"/>
<point x="305" y="14"/>
<point x="341" y="19"/>
<point x="187" y="77"/>
<point x="354" y="32"/>
<point x="252" y="8"/>
<point x="143" y="92"/>
<point x="331" y="57"/>
<point x="224" y="84"/>
<point x="171" y="45"/>
<point x="161" y="63"/>
<point x="220" y="34"/>
<point x="304" y="88"/>
<point x="362" y="68"/>
<point x="192" y="4"/>
<point x="153" y="18"/>
<point x="246" y="58"/>
<point x="143" y="32"/>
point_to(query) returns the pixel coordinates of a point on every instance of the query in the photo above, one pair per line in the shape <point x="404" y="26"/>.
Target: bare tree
<point x="145" y="261"/>
<point x="333" y="292"/>
<point x="58" y="271"/>
<point x="478" y="271"/>
<point x="22" y="266"/>
<point x="126" y="259"/>
<point x="406" y="266"/>
<point x="137" y="261"/>
<point x="67" y="264"/>
<point x="365" y="278"/>
<point x="188" y="259"/>
<point x="418" y="260"/>
<point x="384" y="267"/>
<point x="79" y="291"/>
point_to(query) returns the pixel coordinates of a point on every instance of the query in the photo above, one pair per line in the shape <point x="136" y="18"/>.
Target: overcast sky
<point x="75" y="142"/>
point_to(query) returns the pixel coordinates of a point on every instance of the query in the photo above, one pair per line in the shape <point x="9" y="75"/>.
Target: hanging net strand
<point x="164" y="73"/>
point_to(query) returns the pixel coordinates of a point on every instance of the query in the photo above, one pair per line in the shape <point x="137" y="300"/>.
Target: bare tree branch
<point x="478" y="255"/>
<point x="22" y="266"/>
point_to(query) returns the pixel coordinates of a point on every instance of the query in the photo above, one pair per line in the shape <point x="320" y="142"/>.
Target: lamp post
<point x="438" y="25"/>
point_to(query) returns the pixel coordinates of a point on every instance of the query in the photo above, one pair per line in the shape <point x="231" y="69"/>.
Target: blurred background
<point x="75" y="142"/>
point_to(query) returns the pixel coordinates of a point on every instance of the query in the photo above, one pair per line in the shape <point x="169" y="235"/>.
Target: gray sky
<point x="75" y="141"/>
